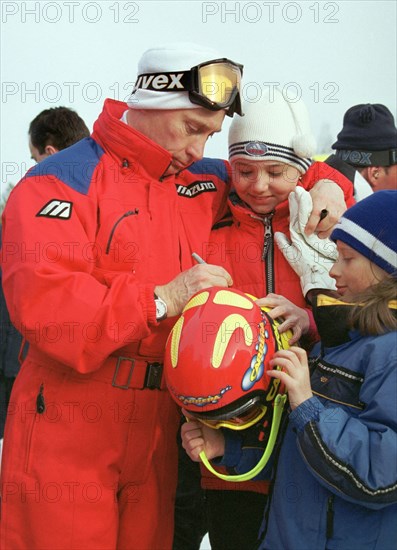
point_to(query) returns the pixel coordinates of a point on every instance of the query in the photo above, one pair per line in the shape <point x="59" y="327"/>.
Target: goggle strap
<point x="279" y="403"/>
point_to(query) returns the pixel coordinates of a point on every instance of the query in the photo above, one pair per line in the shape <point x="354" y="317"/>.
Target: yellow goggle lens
<point x="218" y="81"/>
<point x="240" y="422"/>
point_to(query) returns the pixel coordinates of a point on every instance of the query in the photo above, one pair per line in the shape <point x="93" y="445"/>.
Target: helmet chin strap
<point x="277" y="414"/>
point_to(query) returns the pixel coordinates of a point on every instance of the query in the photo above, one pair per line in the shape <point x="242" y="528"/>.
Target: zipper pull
<point x="40" y="403"/>
<point x="268" y="235"/>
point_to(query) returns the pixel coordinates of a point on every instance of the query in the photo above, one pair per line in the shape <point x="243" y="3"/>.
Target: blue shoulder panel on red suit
<point x="217" y="167"/>
<point x="74" y="166"/>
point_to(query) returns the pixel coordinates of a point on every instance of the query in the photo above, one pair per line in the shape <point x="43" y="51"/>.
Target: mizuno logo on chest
<point x="196" y="188"/>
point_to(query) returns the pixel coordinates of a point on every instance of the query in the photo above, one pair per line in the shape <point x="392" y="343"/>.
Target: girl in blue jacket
<point x="336" y="475"/>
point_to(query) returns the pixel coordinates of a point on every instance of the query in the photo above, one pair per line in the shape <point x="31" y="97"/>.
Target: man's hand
<point x="295" y="318"/>
<point x="196" y="438"/>
<point x="300" y="209"/>
<point x="177" y="292"/>
<point x="327" y="197"/>
<point x="295" y="374"/>
<point x="310" y="257"/>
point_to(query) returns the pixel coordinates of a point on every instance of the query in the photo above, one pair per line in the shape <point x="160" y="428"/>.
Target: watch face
<point x="161" y="309"/>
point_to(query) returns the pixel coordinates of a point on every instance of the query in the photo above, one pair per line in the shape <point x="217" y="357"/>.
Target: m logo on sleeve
<point x="56" y="209"/>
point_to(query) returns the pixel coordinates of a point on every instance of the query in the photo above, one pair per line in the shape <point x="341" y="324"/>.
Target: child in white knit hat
<point x="270" y="151"/>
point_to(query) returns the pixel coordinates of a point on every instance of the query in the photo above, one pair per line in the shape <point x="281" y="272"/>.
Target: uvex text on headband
<point x="214" y="84"/>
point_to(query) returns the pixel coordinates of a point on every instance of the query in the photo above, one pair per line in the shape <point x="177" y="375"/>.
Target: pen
<point x="323" y="213"/>
<point x="198" y="258"/>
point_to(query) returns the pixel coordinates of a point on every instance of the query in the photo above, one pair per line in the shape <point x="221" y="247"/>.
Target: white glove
<point x="300" y="208"/>
<point x="309" y="256"/>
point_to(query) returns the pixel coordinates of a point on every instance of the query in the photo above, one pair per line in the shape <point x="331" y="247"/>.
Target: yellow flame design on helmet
<point x="175" y="337"/>
<point x="196" y="301"/>
<point x="230" y="324"/>
<point x="225" y="297"/>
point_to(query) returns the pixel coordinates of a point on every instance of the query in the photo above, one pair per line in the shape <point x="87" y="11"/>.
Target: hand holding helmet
<point x="295" y="374"/>
<point x="196" y="437"/>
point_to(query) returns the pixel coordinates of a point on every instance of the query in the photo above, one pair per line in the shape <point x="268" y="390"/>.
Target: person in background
<point x="336" y="476"/>
<point x="53" y="130"/>
<point x="367" y="144"/>
<point x="49" y="132"/>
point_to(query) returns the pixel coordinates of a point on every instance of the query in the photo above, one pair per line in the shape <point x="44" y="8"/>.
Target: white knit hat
<point x="273" y="128"/>
<point x="179" y="56"/>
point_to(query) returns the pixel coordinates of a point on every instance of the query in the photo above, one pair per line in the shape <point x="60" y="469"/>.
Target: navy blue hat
<point x="370" y="227"/>
<point x="368" y="136"/>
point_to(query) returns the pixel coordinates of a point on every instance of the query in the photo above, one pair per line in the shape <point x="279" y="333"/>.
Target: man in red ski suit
<point x="97" y="263"/>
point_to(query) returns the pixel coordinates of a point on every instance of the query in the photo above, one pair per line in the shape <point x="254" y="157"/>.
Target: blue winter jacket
<point x="10" y="338"/>
<point x="336" y="480"/>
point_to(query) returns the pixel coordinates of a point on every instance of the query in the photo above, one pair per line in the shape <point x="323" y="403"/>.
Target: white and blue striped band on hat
<point x="366" y="244"/>
<point x="259" y="150"/>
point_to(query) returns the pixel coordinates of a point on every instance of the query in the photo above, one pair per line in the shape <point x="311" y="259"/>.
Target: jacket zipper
<point x="40" y="403"/>
<point x="268" y="253"/>
<point x="129" y="213"/>
<point x="40" y="409"/>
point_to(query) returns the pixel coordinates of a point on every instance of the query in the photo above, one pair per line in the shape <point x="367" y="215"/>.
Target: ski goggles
<point x="242" y="419"/>
<point x="215" y="84"/>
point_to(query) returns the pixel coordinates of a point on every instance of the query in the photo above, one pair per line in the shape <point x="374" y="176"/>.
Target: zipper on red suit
<point x="268" y="252"/>
<point x="125" y="215"/>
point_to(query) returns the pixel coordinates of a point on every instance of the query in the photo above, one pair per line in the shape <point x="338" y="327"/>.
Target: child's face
<point x="353" y="272"/>
<point x="263" y="184"/>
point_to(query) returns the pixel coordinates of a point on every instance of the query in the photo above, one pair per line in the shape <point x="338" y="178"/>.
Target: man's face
<point x="182" y="132"/>
<point x="381" y="177"/>
<point x="387" y="178"/>
<point x="263" y="184"/>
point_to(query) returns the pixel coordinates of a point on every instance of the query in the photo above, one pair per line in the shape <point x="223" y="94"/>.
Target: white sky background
<point x="77" y="53"/>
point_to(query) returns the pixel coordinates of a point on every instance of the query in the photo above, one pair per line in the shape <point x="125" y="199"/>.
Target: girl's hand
<point x="294" y="318"/>
<point x="196" y="438"/>
<point x="295" y="374"/>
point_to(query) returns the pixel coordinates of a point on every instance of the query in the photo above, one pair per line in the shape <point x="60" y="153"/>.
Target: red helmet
<point x="217" y="356"/>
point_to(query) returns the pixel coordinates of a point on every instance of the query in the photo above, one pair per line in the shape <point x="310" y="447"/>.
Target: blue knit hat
<point x="368" y="136"/>
<point x="370" y="227"/>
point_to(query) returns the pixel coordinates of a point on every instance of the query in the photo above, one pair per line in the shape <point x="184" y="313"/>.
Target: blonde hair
<point x="372" y="313"/>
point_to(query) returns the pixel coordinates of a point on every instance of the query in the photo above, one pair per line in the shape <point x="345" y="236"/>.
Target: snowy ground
<point x="205" y="545"/>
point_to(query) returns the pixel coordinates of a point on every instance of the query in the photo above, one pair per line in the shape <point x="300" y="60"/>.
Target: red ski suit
<point x="90" y="456"/>
<point x="244" y="244"/>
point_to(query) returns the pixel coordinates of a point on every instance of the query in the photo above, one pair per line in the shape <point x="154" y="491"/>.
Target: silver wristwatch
<point x="161" y="308"/>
